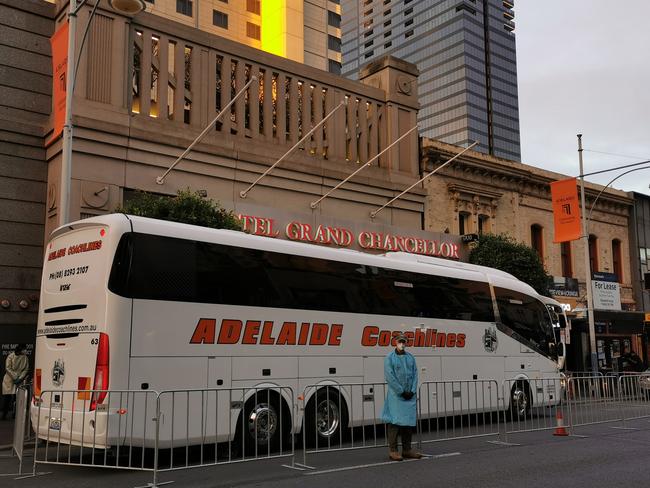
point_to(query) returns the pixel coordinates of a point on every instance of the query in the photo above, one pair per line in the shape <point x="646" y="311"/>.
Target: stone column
<point x="398" y="79"/>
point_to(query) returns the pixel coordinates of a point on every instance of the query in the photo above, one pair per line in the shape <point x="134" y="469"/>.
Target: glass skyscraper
<point x="465" y="51"/>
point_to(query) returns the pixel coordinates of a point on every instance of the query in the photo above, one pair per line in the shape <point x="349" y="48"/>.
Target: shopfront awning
<point x="612" y="322"/>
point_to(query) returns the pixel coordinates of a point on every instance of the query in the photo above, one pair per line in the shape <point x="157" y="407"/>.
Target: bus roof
<point x="397" y="260"/>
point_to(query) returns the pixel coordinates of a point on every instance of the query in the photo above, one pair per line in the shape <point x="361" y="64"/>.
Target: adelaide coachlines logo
<point x="268" y="332"/>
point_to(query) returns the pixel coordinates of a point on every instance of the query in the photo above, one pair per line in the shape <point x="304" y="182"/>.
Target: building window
<point x="388" y="44"/>
<point x="184" y="7"/>
<point x="220" y="19"/>
<point x="537" y="240"/>
<point x="334" y="67"/>
<point x="333" y="19"/>
<point x="409" y="33"/>
<point x="483" y="224"/>
<point x="253" y="6"/>
<point x="565" y="255"/>
<point x="408" y="22"/>
<point x="368" y="44"/>
<point x="462" y="6"/>
<point x="408" y="11"/>
<point x="253" y="31"/>
<point x="593" y="253"/>
<point x="463" y="223"/>
<point x="369" y="54"/>
<point x="617" y="263"/>
<point x="334" y="43"/>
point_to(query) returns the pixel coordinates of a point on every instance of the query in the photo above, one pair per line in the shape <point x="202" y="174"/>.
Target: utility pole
<point x="585" y="239"/>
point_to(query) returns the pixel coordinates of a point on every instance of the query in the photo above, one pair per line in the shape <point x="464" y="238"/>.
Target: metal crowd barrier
<point x="634" y="394"/>
<point x="329" y="409"/>
<point x="21" y="431"/>
<point x="163" y="431"/>
<point x="180" y="429"/>
<point x="593" y="400"/>
<point x="79" y="427"/>
<point x="218" y="426"/>
<point x="458" y="409"/>
<point x="532" y="404"/>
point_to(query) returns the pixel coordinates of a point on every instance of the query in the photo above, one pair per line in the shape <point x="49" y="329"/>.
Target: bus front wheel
<point x="325" y="418"/>
<point x="520" y="400"/>
<point x="265" y="424"/>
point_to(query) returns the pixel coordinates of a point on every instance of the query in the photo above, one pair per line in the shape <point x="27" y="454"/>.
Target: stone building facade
<point x="134" y="115"/>
<point x="480" y="193"/>
<point x="25" y="101"/>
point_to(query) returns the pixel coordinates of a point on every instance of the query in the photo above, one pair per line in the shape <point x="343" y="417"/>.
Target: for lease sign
<point x="607" y="295"/>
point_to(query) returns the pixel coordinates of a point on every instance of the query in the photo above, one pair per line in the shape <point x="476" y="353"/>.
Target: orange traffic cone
<point x="560" y="429"/>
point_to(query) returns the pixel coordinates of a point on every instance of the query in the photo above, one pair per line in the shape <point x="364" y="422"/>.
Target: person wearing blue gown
<point x="400" y="408"/>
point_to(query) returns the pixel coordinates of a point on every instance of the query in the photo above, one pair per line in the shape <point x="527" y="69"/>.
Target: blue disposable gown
<point x="401" y="374"/>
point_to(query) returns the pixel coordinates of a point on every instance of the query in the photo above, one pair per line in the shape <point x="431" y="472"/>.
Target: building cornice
<point x="511" y="175"/>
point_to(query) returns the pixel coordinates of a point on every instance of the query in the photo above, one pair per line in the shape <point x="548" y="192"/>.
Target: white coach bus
<point x="130" y="303"/>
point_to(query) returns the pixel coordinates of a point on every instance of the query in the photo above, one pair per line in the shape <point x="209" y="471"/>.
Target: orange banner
<point x="566" y="210"/>
<point x="59" y="42"/>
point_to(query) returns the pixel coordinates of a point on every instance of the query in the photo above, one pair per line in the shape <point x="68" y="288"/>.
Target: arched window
<point x="537" y="240"/>
<point x="616" y="260"/>
<point x="463" y="223"/>
<point x="483" y="224"/>
<point x="593" y="253"/>
<point x="565" y="254"/>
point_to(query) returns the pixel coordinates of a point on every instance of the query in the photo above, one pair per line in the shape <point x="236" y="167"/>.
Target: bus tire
<point x="520" y="400"/>
<point x="326" y="417"/>
<point x="265" y="425"/>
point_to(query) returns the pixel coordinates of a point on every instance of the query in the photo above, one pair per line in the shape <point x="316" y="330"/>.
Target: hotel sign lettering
<point x="341" y="236"/>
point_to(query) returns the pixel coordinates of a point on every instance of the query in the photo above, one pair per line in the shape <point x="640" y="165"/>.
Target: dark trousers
<point x="393" y="431"/>
<point x="7" y="405"/>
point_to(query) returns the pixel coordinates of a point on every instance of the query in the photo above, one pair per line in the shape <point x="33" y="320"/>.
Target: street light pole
<point x="585" y="238"/>
<point x="66" y="151"/>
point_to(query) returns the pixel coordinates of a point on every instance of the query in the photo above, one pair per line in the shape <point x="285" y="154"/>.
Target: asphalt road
<point x="605" y="457"/>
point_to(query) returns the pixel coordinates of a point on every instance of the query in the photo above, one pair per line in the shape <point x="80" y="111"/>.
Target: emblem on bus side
<point x="58" y="372"/>
<point x="490" y="340"/>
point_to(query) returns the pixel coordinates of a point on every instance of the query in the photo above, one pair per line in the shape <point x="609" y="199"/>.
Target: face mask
<point x="400" y="346"/>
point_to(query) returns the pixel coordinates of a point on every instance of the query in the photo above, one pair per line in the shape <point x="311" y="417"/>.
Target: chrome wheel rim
<point x="520" y="401"/>
<point x="262" y="422"/>
<point x="328" y="418"/>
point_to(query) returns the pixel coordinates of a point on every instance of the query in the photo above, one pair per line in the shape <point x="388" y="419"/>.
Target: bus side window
<point x="527" y="317"/>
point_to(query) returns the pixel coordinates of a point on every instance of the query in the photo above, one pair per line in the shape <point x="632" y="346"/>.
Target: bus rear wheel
<point x="520" y="401"/>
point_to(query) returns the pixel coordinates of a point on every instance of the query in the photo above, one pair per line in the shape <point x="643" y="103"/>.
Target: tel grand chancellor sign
<point x="349" y="236"/>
